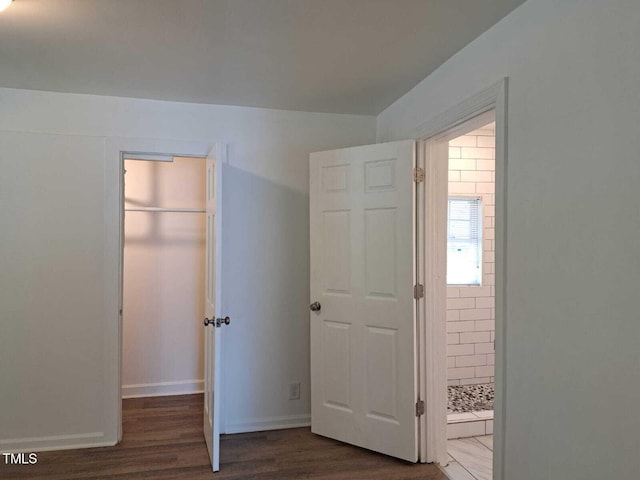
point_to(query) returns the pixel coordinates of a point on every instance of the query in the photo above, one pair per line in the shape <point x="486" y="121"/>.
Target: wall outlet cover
<point x="294" y="391"/>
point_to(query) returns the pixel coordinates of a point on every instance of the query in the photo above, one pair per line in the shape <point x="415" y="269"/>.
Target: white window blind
<point x="464" y="242"/>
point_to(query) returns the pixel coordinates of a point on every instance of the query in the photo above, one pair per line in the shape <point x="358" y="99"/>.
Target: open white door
<point x="214" y="318"/>
<point x="363" y="328"/>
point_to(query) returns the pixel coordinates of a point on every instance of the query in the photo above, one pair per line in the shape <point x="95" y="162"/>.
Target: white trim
<point x="54" y="442"/>
<point x="434" y="133"/>
<point x="502" y="165"/>
<point x="474" y="106"/>
<point x="150" y="158"/>
<point x="268" y="423"/>
<point x="467" y="126"/>
<point x="221" y="156"/>
<point x="418" y="249"/>
<point x="433" y="272"/>
<point x="421" y="372"/>
<point x="163" y="389"/>
<point x="116" y="149"/>
<point x="164" y="210"/>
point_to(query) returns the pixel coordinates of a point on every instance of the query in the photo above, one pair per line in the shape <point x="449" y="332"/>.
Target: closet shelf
<point x="161" y="210"/>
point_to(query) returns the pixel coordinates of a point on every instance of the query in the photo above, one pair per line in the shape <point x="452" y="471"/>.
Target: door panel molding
<point x="363" y="344"/>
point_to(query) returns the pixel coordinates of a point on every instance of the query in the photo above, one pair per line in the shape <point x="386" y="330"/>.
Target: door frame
<point x="116" y="149"/>
<point x="432" y="307"/>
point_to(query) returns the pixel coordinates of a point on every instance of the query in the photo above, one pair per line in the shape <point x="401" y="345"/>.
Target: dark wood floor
<point x="163" y="440"/>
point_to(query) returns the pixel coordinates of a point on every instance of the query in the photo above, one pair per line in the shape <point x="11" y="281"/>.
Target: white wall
<point x="51" y="295"/>
<point x="572" y="355"/>
<point x="471" y="309"/>
<point x="163" y="297"/>
<point x="53" y="358"/>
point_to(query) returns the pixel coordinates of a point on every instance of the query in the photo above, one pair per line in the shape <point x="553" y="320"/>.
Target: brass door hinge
<point x="418" y="174"/>
<point x="418" y="291"/>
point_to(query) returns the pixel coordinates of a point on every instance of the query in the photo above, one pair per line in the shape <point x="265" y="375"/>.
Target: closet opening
<point x="166" y="228"/>
<point x="163" y="280"/>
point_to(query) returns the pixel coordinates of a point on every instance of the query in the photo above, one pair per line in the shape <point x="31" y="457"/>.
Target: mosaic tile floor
<point x="470" y="398"/>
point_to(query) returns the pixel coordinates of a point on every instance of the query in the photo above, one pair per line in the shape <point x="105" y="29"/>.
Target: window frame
<point x="480" y="240"/>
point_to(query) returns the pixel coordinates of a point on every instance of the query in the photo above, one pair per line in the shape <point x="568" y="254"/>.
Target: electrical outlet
<point x="294" y="391"/>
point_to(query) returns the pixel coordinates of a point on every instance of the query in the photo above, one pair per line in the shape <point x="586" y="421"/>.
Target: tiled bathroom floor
<point x="470" y="458"/>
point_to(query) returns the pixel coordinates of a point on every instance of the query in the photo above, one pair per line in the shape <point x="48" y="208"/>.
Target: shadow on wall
<point x="266" y="293"/>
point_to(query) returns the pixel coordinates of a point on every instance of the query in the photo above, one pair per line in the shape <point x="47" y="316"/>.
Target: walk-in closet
<point x="163" y="277"/>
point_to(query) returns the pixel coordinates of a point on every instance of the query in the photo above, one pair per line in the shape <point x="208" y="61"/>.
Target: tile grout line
<point x="462" y="465"/>
<point x="479" y="442"/>
<point x="465" y="468"/>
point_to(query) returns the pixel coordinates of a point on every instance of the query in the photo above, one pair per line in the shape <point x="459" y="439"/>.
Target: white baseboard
<point x="183" y="387"/>
<point x="268" y="423"/>
<point x="96" y="439"/>
<point x="54" y="442"/>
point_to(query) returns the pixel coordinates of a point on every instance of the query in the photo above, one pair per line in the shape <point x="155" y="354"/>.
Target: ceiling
<point x="343" y="56"/>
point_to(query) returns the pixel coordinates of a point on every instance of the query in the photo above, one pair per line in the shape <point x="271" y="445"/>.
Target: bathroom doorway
<point x="470" y="304"/>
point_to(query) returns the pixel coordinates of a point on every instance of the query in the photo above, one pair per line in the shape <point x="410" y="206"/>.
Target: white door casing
<point x="212" y="340"/>
<point x="363" y="338"/>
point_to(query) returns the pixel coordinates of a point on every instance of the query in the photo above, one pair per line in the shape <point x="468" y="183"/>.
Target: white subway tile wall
<point x="471" y="309"/>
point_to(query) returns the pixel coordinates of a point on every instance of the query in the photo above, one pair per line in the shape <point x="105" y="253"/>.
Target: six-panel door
<point x="363" y="336"/>
<point x="213" y="305"/>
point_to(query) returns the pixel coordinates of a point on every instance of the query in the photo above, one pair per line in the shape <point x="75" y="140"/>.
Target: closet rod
<point x="160" y="210"/>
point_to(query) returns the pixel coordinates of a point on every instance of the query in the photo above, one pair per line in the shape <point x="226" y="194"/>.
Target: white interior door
<point x="214" y="318"/>
<point x="363" y="331"/>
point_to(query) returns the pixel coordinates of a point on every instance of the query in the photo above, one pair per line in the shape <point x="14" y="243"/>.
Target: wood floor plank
<point x="163" y="440"/>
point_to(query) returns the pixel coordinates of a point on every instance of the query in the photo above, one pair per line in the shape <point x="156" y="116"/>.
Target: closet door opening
<point x="163" y="282"/>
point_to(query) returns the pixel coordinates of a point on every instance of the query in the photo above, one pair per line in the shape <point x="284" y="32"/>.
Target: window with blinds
<point x="464" y="241"/>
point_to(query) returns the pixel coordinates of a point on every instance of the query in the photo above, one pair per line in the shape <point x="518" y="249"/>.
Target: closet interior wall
<point x="163" y="296"/>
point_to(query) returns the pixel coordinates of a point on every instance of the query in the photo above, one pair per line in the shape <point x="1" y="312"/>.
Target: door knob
<point x="315" y="307"/>
<point x="220" y="321"/>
